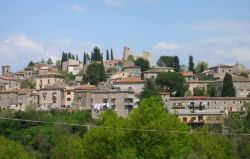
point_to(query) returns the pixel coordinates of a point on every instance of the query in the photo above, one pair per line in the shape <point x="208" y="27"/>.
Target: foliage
<point x="244" y="74"/>
<point x="169" y="61"/>
<point x="69" y="76"/>
<point x="172" y="82"/>
<point x="191" y="64"/>
<point x="131" y="58"/>
<point x="228" y="89"/>
<point x="28" y="84"/>
<point x="95" y="73"/>
<point x="12" y="150"/>
<point x="201" y="66"/>
<point x="112" y="56"/>
<point x="200" y="91"/>
<point x="97" y="56"/>
<point x="107" y="55"/>
<point x="143" y="63"/>
<point x="120" y="143"/>
<point x="31" y="64"/>
<point x="149" y="89"/>
<point x="50" y="62"/>
<point x="211" y="91"/>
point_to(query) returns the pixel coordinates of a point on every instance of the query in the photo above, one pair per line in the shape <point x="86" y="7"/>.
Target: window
<point x="41" y="81"/>
<point x="68" y="99"/>
<point x="233" y="102"/>
<point x="105" y="100"/>
<point x="48" y="81"/>
<point x="223" y="71"/>
<point x="215" y="102"/>
<point x="68" y="92"/>
<point x="184" y="119"/>
<point x="0" y="98"/>
<point x="208" y="103"/>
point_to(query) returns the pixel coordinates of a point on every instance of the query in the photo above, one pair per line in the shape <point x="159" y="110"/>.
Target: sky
<point x="217" y="31"/>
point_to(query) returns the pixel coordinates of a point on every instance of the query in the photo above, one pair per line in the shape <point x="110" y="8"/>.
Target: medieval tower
<point x="127" y="51"/>
<point x="5" y="70"/>
<point x="147" y="56"/>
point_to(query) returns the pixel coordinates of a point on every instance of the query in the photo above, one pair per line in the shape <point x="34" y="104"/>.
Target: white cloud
<point x="223" y="25"/>
<point x="113" y="2"/>
<point x="165" y="46"/>
<point x="18" y="50"/>
<point x="78" y="8"/>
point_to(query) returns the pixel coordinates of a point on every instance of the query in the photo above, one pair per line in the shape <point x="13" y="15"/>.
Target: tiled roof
<point x="221" y="66"/>
<point x="165" y="93"/>
<point x="86" y="87"/>
<point x="188" y="74"/>
<point x="129" y="80"/>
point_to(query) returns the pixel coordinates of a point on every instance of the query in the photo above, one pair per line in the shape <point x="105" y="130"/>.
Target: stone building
<point x="154" y="72"/>
<point x="7" y="83"/>
<point x="135" y="85"/>
<point x="48" y="79"/>
<point x="220" y="70"/>
<point x="121" y="102"/>
<point x="82" y="97"/>
<point x="52" y="97"/>
<point x="190" y="76"/>
<point x="133" y="71"/>
<point x="72" y="66"/>
<point x="18" y="99"/>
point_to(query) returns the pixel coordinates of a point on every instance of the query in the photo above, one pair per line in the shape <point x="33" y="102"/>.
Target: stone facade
<point x="7" y="83"/>
<point x="49" y="79"/>
<point x="72" y="66"/>
<point x="122" y="102"/>
<point x="133" y="71"/>
<point x="220" y="70"/>
<point x="135" y="85"/>
<point x="51" y="97"/>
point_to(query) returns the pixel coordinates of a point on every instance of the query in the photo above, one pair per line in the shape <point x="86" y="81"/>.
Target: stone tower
<point x="127" y="51"/>
<point x="5" y="70"/>
<point x="147" y="56"/>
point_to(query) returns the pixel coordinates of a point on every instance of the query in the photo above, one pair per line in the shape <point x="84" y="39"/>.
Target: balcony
<point x="128" y="103"/>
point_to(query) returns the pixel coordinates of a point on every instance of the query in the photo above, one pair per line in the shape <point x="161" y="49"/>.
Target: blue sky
<point x="217" y="31"/>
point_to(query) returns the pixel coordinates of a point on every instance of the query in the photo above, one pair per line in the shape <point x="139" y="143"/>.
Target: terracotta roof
<point x="203" y="81"/>
<point x="129" y="80"/>
<point x="86" y="87"/>
<point x="209" y="98"/>
<point x="51" y="74"/>
<point x="188" y="74"/>
<point x="7" y="78"/>
<point x="132" y="67"/>
<point x="165" y="93"/>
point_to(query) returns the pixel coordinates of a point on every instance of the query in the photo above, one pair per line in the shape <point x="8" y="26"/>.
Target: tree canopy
<point x="149" y="89"/>
<point x="95" y="73"/>
<point x="143" y="63"/>
<point x="201" y="66"/>
<point x="173" y="82"/>
<point x="228" y="89"/>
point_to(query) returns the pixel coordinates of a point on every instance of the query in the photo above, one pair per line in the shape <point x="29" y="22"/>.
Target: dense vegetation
<point x="148" y="132"/>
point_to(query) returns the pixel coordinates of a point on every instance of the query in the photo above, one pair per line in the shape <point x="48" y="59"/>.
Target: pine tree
<point x="77" y="57"/>
<point x="112" y="56"/>
<point x="96" y="54"/>
<point x="91" y="57"/>
<point x="50" y="62"/>
<point x="191" y="64"/>
<point x="107" y="56"/>
<point x="228" y="89"/>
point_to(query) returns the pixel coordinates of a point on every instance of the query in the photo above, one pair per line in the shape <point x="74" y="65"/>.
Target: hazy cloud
<point x="165" y="46"/>
<point x="223" y="25"/>
<point x="78" y="8"/>
<point x="113" y="2"/>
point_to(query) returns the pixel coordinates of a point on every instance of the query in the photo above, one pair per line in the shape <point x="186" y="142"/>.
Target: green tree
<point x="244" y="74"/>
<point x="211" y="91"/>
<point x="112" y="56"/>
<point x="173" y="82"/>
<point x="107" y="55"/>
<point x="84" y="58"/>
<point x="176" y="64"/>
<point x="12" y="150"/>
<point x="67" y="147"/>
<point x="131" y="58"/>
<point x="149" y="89"/>
<point x="201" y="66"/>
<point x="93" y="73"/>
<point x="77" y="58"/>
<point x="96" y="54"/>
<point x="102" y="73"/>
<point x="143" y="63"/>
<point x="31" y="64"/>
<point x="200" y="91"/>
<point x="28" y="84"/>
<point x="169" y="61"/>
<point x="50" y="62"/>
<point x="191" y="64"/>
<point x="228" y="89"/>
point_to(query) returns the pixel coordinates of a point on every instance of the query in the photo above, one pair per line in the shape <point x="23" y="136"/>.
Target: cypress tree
<point x="176" y="64"/>
<point x="112" y="56"/>
<point x="228" y="89"/>
<point x="84" y="58"/>
<point x="102" y="72"/>
<point x="77" y="57"/>
<point x="191" y="64"/>
<point x="96" y="54"/>
<point x="107" y="56"/>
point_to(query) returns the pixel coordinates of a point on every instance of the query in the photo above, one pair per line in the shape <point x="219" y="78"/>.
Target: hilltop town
<point x="198" y="95"/>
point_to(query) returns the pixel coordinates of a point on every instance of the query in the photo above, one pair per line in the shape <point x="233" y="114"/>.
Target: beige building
<point x="220" y="70"/>
<point x="18" y="99"/>
<point x="135" y="85"/>
<point x="190" y="76"/>
<point x="82" y="97"/>
<point x="121" y="102"/>
<point x="48" y="79"/>
<point x="72" y="66"/>
<point x="133" y="71"/>
<point x="154" y="72"/>
<point x="7" y="83"/>
<point x="52" y="97"/>
<point x="69" y="93"/>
